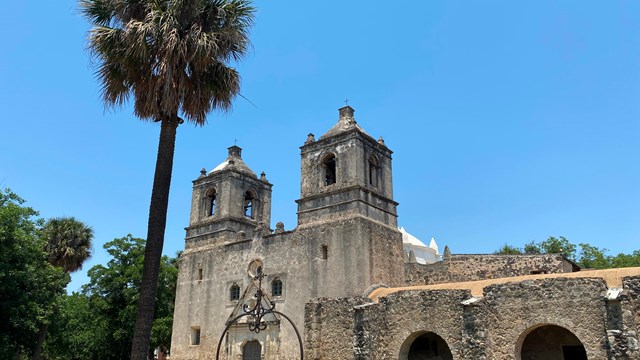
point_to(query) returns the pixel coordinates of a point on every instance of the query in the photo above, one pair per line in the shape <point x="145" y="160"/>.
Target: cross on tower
<point x="346" y="102"/>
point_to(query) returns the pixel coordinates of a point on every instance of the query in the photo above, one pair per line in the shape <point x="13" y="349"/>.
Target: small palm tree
<point x="172" y="58"/>
<point x="68" y="245"/>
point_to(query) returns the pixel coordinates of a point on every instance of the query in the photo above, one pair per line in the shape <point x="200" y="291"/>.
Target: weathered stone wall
<point x="508" y="312"/>
<point x="337" y="338"/>
<point x="490" y="327"/>
<point x="480" y="267"/>
<point x="360" y="253"/>
<point x="623" y="321"/>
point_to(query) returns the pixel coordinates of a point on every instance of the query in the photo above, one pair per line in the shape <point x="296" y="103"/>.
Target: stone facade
<point x="460" y="268"/>
<point x="535" y="317"/>
<point x="337" y="275"/>
<point x="346" y="240"/>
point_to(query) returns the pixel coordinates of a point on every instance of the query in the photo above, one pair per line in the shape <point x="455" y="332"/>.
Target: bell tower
<point x="346" y="173"/>
<point x="229" y="202"/>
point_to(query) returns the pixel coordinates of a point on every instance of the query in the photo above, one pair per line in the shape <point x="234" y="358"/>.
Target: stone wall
<point x="493" y="326"/>
<point x="461" y="268"/>
<point x="508" y="312"/>
<point x="624" y="321"/>
<point x="360" y="253"/>
<point x="336" y="339"/>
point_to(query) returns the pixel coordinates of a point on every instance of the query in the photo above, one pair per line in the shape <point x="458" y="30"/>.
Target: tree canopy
<point x="98" y="322"/>
<point x="585" y="255"/>
<point x="69" y="242"/>
<point x="29" y="284"/>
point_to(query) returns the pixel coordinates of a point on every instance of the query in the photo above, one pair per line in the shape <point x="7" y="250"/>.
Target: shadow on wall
<point x="550" y="342"/>
<point x="425" y="346"/>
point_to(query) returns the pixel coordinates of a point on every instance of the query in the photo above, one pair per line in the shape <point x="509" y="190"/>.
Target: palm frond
<point x="69" y="242"/>
<point x="170" y="57"/>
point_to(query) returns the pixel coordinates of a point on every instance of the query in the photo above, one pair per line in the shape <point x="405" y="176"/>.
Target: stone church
<point x="342" y="277"/>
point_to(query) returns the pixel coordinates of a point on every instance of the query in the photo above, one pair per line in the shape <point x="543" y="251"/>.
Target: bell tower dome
<point x="345" y="173"/>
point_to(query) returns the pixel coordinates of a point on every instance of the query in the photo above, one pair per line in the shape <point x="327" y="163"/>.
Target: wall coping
<point x="612" y="277"/>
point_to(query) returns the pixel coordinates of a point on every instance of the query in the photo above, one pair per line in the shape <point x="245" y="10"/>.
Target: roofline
<point x="612" y="277"/>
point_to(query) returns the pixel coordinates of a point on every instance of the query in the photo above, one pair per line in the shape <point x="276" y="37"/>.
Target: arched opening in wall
<point x="374" y="171"/>
<point x="550" y="342"/>
<point x="249" y="204"/>
<point x="211" y="202"/>
<point x="252" y="350"/>
<point x="425" y="346"/>
<point x="329" y="170"/>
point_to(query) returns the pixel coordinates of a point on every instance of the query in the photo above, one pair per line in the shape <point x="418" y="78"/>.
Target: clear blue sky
<point x="509" y="121"/>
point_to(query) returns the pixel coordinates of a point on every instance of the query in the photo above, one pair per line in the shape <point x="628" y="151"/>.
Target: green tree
<point x="173" y="58"/>
<point x="29" y="284"/>
<point x="508" y="250"/>
<point x="69" y="242"/>
<point x="68" y="246"/>
<point x="592" y="257"/>
<point x="552" y="245"/>
<point x="588" y="256"/>
<point x="77" y="331"/>
<point x="532" y="248"/>
<point x="625" y="260"/>
<point x="559" y="245"/>
<point x="98" y="322"/>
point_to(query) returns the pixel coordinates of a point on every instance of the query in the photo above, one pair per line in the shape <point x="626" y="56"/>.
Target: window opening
<point x="329" y="165"/>
<point x="248" y="205"/>
<point x="195" y="335"/>
<point x="234" y="292"/>
<point x="373" y="171"/>
<point x="538" y="272"/>
<point x="276" y="287"/>
<point x="200" y="274"/>
<point x="212" y="203"/>
<point x="325" y="252"/>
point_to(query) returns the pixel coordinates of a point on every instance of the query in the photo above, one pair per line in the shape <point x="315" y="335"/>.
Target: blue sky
<point x="509" y="121"/>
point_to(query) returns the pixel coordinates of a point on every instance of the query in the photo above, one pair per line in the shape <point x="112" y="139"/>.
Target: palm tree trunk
<point x="155" y="239"/>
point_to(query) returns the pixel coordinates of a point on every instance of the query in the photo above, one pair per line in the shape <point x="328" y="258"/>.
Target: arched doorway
<point x="251" y="350"/>
<point x="551" y="342"/>
<point x="425" y="346"/>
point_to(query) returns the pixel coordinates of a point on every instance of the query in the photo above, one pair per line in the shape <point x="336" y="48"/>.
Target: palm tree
<point x="172" y="57"/>
<point x="68" y="243"/>
<point x="68" y="246"/>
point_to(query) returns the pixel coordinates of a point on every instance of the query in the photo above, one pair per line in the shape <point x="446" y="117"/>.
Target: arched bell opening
<point x="328" y="170"/>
